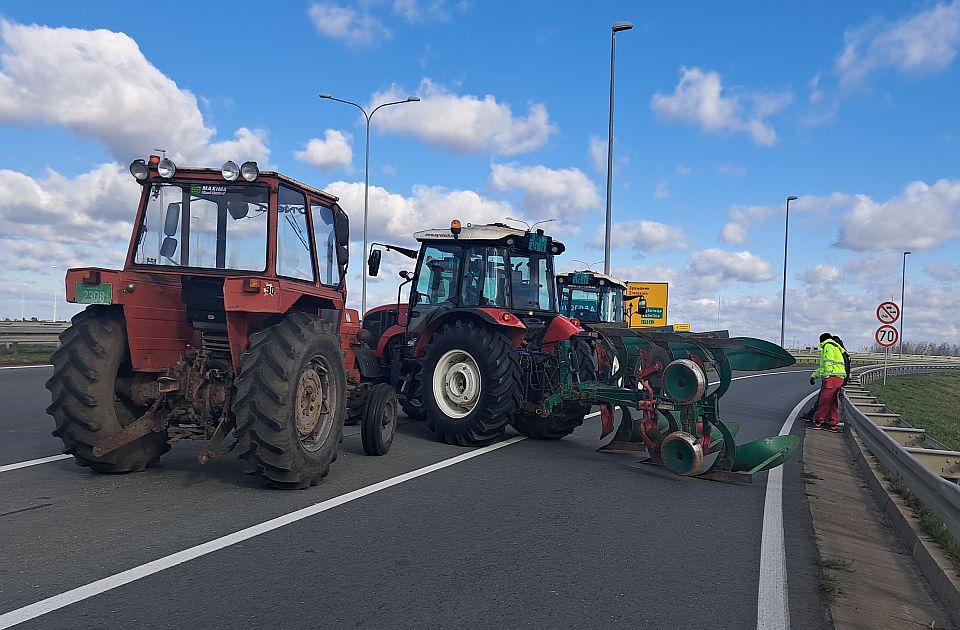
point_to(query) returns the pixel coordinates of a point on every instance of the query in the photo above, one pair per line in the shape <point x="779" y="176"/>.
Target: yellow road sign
<point x="681" y="328"/>
<point x="646" y="304"/>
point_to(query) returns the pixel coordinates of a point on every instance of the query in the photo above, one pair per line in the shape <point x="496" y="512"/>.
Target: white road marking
<point x="24" y="367"/>
<point x="32" y="462"/>
<point x="56" y="602"/>
<point x="773" y="607"/>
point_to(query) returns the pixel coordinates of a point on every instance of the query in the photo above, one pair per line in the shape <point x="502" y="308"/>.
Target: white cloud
<point x="733" y="234"/>
<point x="356" y="29"/>
<point x="699" y="99"/>
<point x="682" y="170"/>
<point x="662" y="191"/>
<point x="922" y="218"/>
<point x="597" y="151"/>
<point x="731" y="170"/>
<point x="821" y="274"/>
<point x="563" y="194"/>
<point x="331" y="152"/>
<point x="717" y="266"/>
<point x="643" y="236"/>
<point x="394" y="216"/>
<point x="99" y="85"/>
<point x="420" y="11"/>
<point x="463" y="123"/>
<point x="923" y="43"/>
<point x="944" y="273"/>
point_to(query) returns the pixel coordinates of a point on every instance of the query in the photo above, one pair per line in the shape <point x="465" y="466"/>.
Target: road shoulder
<point x="867" y="577"/>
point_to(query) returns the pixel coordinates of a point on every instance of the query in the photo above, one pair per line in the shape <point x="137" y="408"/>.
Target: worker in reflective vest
<point x="832" y="371"/>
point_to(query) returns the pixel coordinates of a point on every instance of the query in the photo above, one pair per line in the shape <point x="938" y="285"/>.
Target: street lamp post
<point x="903" y="285"/>
<point x="366" y="181"/>
<point x="786" y="232"/>
<point x="619" y="26"/>
<point x="55" y="291"/>
<point x="22" y="311"/>
<point x="719" y="296"/>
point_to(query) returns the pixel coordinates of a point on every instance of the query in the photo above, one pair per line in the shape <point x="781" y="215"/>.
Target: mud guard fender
<point x="509" y="323"/>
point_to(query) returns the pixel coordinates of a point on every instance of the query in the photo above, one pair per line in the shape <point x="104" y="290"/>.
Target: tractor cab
<point x="591" y="297"/>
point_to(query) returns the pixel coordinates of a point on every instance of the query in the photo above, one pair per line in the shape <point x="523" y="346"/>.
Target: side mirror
<point x="406" y="275"/>
<point x="169" y="246"/>
<point x="238" y="209"/>
<point x="171" y="220"/>
<point x="341" y="226"/>
<point x="343" y="256"/>
<point x="373" y="262"/>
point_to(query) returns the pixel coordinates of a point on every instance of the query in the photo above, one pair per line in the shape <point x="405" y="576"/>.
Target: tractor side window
<point x="531" y="280"/>
<point x="438" y="274"/>
<point x="612" y="306"/>
<point x="293" y="239"/>
<point x="326" y="241"/>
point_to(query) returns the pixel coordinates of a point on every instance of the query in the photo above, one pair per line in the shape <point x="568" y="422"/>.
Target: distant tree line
<point x="942" y="349"/>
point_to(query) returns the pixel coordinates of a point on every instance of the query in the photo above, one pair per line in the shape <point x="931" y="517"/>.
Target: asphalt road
<point x="532" y="534"/>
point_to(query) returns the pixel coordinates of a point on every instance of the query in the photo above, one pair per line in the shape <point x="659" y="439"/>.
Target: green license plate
<point x="94" y="293"/>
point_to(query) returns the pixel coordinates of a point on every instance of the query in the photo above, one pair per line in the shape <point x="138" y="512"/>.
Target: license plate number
<point x="94" y="293"/>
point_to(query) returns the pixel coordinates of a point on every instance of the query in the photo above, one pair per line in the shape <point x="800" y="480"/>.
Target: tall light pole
<point x="719" y="295"/>
<point x="619" y="26"/>
<point x="903" y="285"/>
<point x="786" y="232"/>
<point x="22" y="311"/>
<point x="366" y="183"/>
<point x="56" y="290"/>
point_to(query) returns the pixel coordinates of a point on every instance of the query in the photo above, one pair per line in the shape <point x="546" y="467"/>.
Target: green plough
<point x="667" y="386"/>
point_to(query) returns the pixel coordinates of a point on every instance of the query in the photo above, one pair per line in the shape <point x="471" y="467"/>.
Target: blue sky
<point x="722" y="111"/>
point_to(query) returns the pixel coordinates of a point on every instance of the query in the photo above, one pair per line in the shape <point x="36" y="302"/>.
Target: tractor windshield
<point x="204" y="225"/>
<point x="592" y="304"/>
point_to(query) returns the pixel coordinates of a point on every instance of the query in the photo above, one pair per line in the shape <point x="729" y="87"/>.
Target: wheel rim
<point x="315" y="406"/>
<point x="388" y="422"/>
<point x="456" y="383"/>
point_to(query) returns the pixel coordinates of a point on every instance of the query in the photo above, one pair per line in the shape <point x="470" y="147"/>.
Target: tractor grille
<point x="217" y="348"/>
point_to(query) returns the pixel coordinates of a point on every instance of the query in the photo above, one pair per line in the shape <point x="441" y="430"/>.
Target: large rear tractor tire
<point x="291" y="401"/>
<point x="564" y="420"/>
<point x="470" y="384"/>
<point x="86" y="406"/>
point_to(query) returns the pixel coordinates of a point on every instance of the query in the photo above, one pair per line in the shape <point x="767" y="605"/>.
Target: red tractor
<point x="227" y="317"/>
<point x="463" y="353"/>
<point x="480" y="345"/>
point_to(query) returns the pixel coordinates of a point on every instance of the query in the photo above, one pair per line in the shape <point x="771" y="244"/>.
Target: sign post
<point x="886" y="336"/>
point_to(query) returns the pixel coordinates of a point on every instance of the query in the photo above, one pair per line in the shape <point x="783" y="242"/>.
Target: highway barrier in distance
<point x="12" y="334"/>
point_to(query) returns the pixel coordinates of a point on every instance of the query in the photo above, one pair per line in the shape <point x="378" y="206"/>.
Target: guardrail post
<point x="15" y="347"/>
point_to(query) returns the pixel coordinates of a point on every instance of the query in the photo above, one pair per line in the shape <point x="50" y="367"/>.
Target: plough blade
<point x="757" y="355"/>
<point x="765" y="453"/>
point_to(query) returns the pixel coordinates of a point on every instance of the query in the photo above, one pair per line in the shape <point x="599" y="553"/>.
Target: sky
<point x="722" y="110"/>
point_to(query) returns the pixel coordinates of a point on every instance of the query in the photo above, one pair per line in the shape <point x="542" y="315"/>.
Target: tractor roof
<point x="589" y="278"/>
<point x="183" y="172"/>
<point x="493" y="233"/>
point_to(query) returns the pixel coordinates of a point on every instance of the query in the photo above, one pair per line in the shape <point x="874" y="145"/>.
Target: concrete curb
<point x="936" y="567"/>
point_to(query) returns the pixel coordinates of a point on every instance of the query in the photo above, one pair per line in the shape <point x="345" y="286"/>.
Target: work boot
<point x="817" y="425"/>
<point x="834" y="429"/>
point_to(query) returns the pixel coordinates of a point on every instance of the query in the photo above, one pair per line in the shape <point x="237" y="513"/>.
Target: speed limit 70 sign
<point x="886" y="336"/>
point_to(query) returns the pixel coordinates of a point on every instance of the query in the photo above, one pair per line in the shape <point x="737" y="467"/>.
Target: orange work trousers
<point x="828" y="410"/>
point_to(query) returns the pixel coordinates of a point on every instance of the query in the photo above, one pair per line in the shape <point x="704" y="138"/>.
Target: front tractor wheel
<point x="291" y="401"/>
<point x="470" y="386"/>
<point x="86" y="405"/>
<point x="379" y="420"/>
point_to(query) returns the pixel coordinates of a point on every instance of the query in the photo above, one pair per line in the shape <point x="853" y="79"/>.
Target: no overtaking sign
<point x="888" y="312"/>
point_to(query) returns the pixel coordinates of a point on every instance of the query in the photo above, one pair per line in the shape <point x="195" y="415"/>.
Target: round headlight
<point x="602" y="282"/>
<point x="138" y="168"/>
<point x="230" y="170"/>
<point x="250" y="171"/>
<point x="166" y="168"/>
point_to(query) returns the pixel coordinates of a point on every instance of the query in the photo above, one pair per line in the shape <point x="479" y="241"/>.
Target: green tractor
<point x="480" y="345"/>
<point x="589" y="296"/>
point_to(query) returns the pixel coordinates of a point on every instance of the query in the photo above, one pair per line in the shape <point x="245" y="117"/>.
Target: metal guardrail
<point x="926" y="467"/>
<point x="871" y="358"/>
<point x="31" y="332"/>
